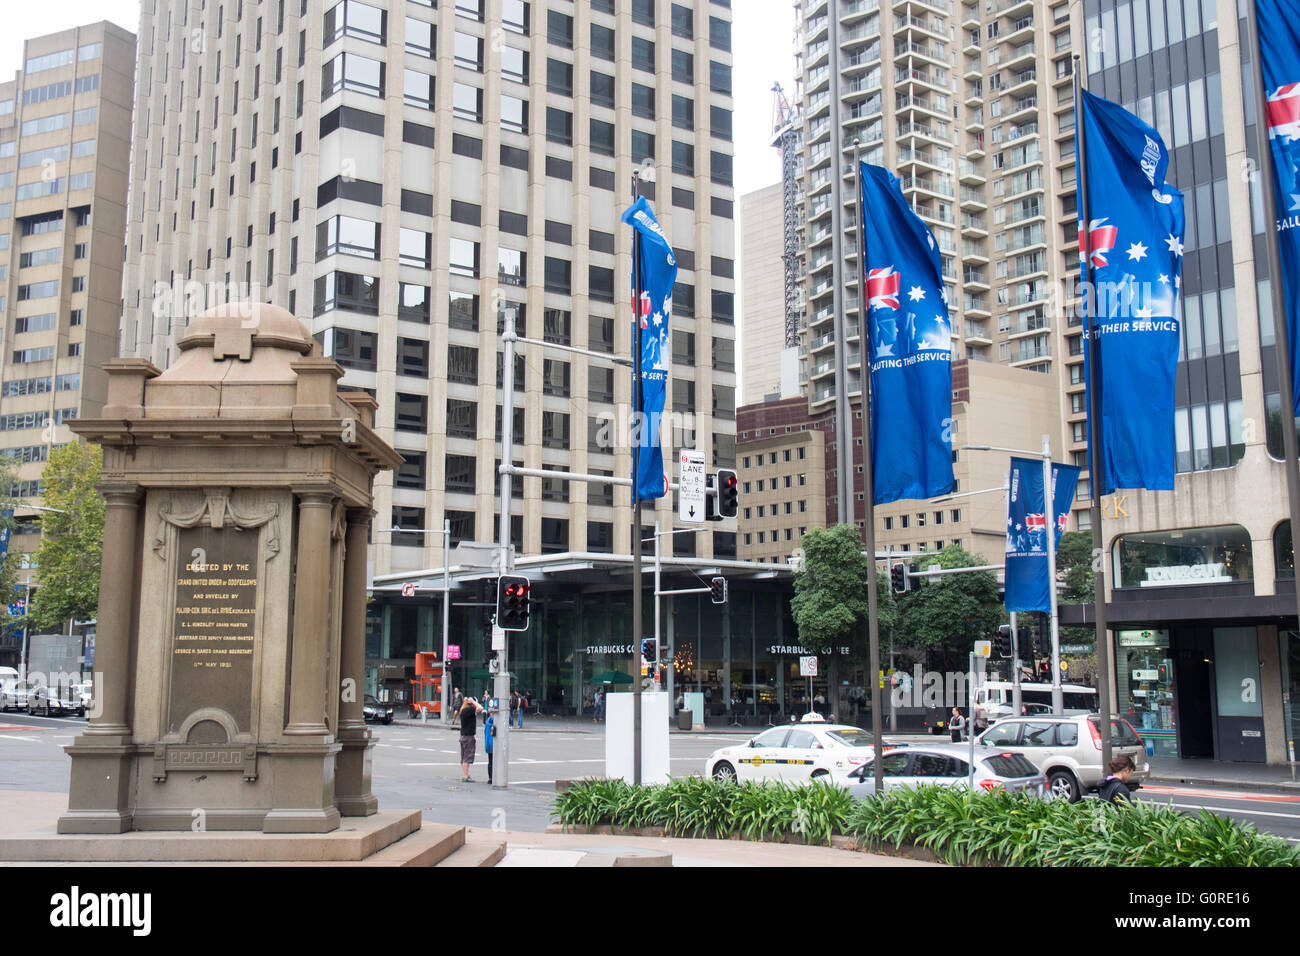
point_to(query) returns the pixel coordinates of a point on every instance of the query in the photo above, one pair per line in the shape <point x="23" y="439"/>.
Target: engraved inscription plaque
<point x="215" y="624"/>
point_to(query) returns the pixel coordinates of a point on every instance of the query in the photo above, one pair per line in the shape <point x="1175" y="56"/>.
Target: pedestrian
<point x="521" y="701"/>
<point x="489" y="733"/>
<point x="956" y="724"/>
<point x="1114" y="789"/>
<point x="469" y="711"/>
<point x="457" y="698"/>
<point x="600" y="705"/>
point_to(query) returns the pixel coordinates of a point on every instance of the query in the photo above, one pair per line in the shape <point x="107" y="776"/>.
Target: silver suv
<point x="1068" y="749"/>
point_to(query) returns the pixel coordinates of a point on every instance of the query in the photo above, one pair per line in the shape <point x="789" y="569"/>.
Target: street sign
<point x="983" y="648"/>
<point x="690" y="485"/>
<point x="807" y="667"/>
<point x="408" y="589"/>
<point x="453" y="652"/>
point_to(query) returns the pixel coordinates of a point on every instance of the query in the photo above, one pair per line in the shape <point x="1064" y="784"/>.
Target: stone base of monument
<point x="389" y="837"/>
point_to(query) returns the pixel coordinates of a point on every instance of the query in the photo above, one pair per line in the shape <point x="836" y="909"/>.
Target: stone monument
<point x="231" y="638"/>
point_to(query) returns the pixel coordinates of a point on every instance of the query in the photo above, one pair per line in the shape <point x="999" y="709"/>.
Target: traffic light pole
<point x="501" y="688"/>
<point x="636" y="498"/>
<point x="1049" y="506"/>
<point x="1017" y="701"/>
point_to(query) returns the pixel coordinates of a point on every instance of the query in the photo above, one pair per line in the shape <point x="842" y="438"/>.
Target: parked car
<point x="15" y="695"/>
<point x="48" y="701"/>
<point x="946" y="765"/>
<point x="1068" y="749"/>
<point x="372" y="709"/>
<point x="808" y="750"/>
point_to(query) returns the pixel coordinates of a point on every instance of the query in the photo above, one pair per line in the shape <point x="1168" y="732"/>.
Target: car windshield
<point x="1011" y="765"/>
<point x="1121" y="734"/>
<point x="850" y="737"/>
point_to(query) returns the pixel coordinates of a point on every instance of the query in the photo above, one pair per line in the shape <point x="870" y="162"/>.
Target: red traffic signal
<point x="512" y="602"/>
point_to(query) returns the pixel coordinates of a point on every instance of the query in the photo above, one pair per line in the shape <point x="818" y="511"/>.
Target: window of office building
<point x="349" y="71"/>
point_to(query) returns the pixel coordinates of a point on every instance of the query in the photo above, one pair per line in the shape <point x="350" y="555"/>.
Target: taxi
<point x="809" y="750"/>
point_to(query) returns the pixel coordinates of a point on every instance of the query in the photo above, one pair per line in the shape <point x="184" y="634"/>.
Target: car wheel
<point x="724" y="772"/>
<point x="388" y="719"/>
<point x="1061" y="785"/>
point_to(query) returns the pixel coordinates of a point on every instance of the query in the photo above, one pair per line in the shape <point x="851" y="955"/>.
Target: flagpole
<point x="868" y="483"/>
<point x="637" y="424"/>
<point x="1282" y="334"/>
<point x="1094" y="431"/>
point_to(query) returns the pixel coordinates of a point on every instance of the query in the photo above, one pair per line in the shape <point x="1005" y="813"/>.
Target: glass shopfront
<point x="1144" y="687"/>
<point x="1217" y="555"/>
<point x="742" y="657"/>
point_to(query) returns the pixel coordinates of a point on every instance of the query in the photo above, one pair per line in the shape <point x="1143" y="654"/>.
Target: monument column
<point x="117" y="606"/>
<point x="307" y="690"/>
<point x="352" y="780"/>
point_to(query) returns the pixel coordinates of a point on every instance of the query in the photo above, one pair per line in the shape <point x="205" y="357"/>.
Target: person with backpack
<point x="1114" y="789"/>
<point x="489" y="735"/>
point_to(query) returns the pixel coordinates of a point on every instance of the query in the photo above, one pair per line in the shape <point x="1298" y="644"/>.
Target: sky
<point x="762" y="48"/>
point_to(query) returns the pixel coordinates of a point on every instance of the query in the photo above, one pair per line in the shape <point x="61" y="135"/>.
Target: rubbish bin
<point x="684" y="719"/>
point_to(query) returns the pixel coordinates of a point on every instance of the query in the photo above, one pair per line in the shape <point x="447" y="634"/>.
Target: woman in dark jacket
<point x="1114" y="789"/>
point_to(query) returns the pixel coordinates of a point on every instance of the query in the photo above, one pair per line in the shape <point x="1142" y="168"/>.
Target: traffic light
<point x="898" y="578"/>
<point x="1025" y="636"/>
<point x="1002" y="644"/>
<point x="649" y="651"/>
<point x="1043" y="639"/>
<point x="718" y="590"/>
<point x="728" y="488"/>
<point x="512" y="602"/>
<point x="485" y="601"/>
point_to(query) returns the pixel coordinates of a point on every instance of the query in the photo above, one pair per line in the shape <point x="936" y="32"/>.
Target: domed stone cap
<point x="227" y="326"/>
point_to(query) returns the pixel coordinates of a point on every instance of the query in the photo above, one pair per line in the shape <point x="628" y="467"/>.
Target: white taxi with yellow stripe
<point x="808" y="750"/>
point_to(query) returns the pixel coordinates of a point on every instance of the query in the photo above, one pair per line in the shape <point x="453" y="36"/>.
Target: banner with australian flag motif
<point x="1279" y="48"/>
<point x="910" y="341"/>
<point x="1025" y="566"/>
<point x="1136" y="249"/>
<point x="657" y="273"/>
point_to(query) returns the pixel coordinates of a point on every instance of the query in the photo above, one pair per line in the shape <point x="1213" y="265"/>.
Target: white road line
<point x="16" y="737"/>
<point x="1230" y="810"/>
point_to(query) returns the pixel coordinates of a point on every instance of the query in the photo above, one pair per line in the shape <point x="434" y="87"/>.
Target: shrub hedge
<point x="959" y="826"/>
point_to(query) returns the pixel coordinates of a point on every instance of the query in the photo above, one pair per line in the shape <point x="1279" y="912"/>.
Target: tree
<point x="951" y="612"/>
<point x="830" y="596"/>
<point x="72" y="538"/>
<point x="1074" y="561"/>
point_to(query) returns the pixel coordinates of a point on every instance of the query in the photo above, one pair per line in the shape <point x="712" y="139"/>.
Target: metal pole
<point x="1281" y="334"/>
<point x="501" y="747"/>
<point x="1049" y="505"/>
<point x="970" y="726"/>
<point x="658" y="570"/>
<point x="868" y="482"/>
<point x="638" y="425"/>
<point x="1017" y="699"/>
<point x="843" y="413"/>
<point x="1094" y="434"/>
<point x="446" y="612"/>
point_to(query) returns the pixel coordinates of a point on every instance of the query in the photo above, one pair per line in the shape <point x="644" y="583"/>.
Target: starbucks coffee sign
<point x="1186" y="574"/>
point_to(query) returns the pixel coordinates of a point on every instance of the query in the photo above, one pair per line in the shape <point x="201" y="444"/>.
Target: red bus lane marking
<point x="1221" y="794"/>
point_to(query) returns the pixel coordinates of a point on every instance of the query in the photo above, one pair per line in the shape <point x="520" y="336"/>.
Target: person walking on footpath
<point x="956" y="724"/>
<point x="457" y="698"/>
<point x="1114" y="789"/>
<point x="597" y="701"/>
<point x="469" y="711"/>
<point x="489" y="733"/>
<point x="517" y="709"/>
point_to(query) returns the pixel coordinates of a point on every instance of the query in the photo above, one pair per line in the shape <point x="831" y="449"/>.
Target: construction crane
<point x="785" y="137"/>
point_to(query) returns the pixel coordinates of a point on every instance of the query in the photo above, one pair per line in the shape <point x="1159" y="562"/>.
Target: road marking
<point x="1228" y="810"/>
<point x="16" y="737"/>
<point x="1224" y="794"/>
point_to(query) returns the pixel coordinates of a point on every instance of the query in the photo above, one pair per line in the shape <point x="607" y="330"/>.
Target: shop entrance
<point x="1195" y="715"/>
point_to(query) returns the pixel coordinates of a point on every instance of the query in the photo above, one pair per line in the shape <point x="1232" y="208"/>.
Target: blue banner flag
<point x="5" y="516"/>
<point x="1279" y="48"/>
<point x="1027" y="577"/>
<point x="658" y="272"/>
<point x="1136" y="246"/>
<point x="911" y="346"/>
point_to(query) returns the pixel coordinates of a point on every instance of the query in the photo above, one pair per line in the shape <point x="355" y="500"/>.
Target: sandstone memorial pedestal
<point x="232" y="599"/>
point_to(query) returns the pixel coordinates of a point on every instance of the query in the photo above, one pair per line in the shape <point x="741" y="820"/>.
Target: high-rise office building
<point x="968" y="103"/>
<point x="403" y="175"/>
<point x="1201" y="599"/>
<point x="65" y="122"/>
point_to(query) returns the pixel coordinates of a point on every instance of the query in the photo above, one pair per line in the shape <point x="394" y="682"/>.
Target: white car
<point x="794" y="753"/>
<point x="16" y="695"/>
<point x="945" y="765"/>
<point x="1068" y="749"/>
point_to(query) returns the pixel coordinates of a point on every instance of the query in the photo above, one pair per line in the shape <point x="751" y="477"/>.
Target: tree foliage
<point x="72" y="538"/>
<point x="830" y="596"/>
<point x="951" y="611"/>
<point x="1074" y="561"/>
